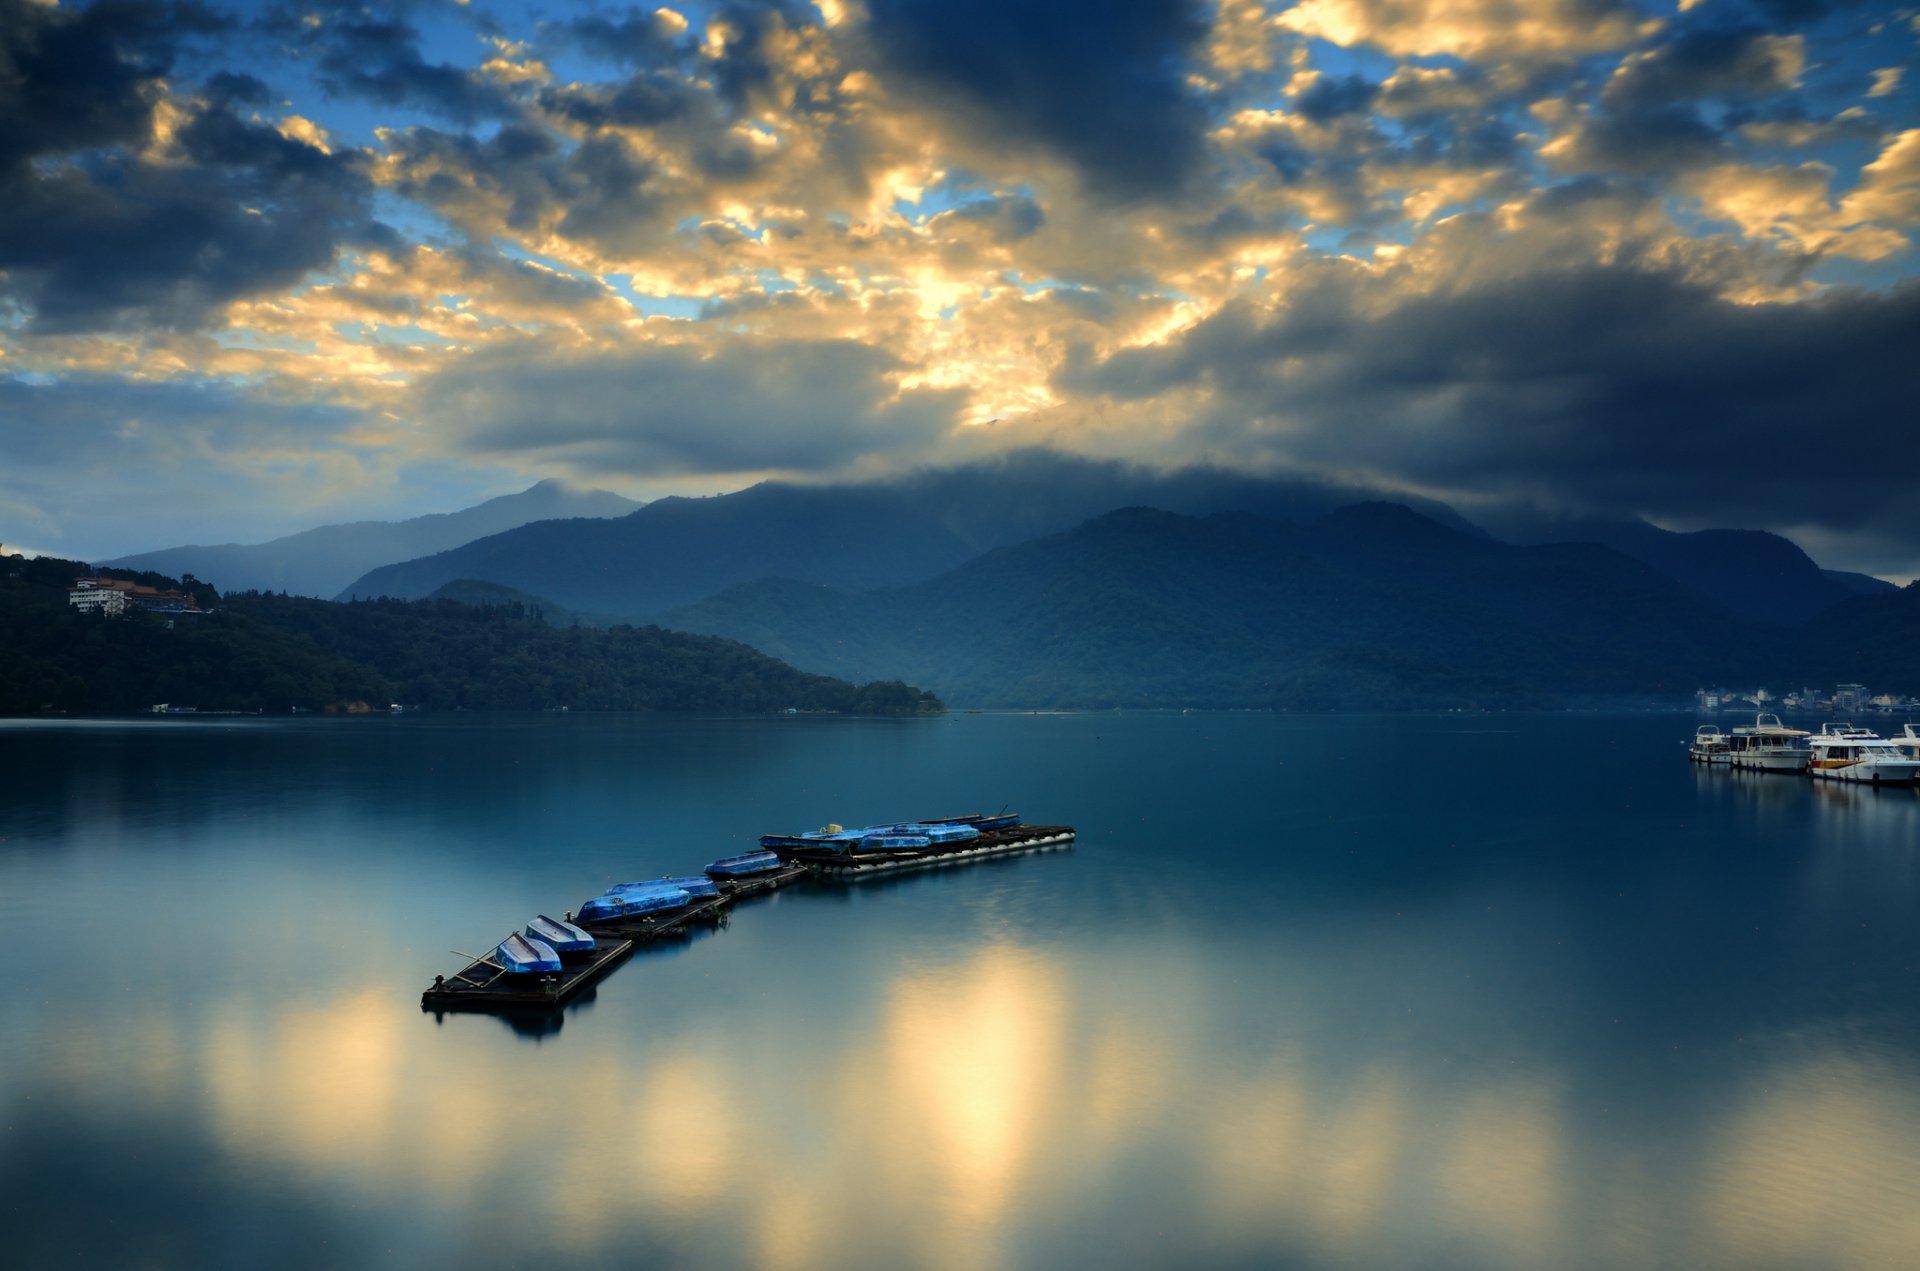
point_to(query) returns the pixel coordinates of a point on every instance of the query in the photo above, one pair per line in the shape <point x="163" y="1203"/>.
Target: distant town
<point x="1844" y="700"/>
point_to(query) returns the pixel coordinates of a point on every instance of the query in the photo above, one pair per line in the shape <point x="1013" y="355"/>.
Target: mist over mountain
<point x="677" y="550"/>
<point x="320" y="561"/>
<point x="1372" y="606"/>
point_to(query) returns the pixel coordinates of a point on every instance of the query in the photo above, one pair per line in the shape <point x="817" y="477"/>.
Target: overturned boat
<point x="695" y="885"/>
<point x="559" y="935"/>
<point x="638" y="899"/>
<point x="744" y="866"/>
<point x="522" y="955"/>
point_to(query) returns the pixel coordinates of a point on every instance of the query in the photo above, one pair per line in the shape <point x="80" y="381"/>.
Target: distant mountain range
<point x="319" y="562"/>
<point x="676" y="551"/>
<point x="1372" y="606"/>
<point x="1044" y="579"/>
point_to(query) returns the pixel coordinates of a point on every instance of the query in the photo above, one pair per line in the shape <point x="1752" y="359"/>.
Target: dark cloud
<point x="1103" y="86"/>
<point x="636" y="37"/>
<point x="1645" y="140"/>
<point x="646" y="100"/>
<point x="1331" y="96"/>
<point x="97" y="233"/>
<point x="746" y="406"/>
<point x="1008" y="218"/>
<point x="1630" y="388"/>
<point x="71" y="79"/>
<point x="378" y="59"/>
<point x="523" y="177"/>
<point x="1715" y="62"/>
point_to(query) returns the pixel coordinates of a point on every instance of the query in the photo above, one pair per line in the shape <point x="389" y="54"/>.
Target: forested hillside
<point x="256" y="651"/>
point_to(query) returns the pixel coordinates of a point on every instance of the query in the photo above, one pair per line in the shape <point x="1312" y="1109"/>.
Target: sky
<point x="264" y="267"/>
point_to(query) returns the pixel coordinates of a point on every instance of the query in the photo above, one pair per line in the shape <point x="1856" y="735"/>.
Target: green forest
<point x="253" y="651"/>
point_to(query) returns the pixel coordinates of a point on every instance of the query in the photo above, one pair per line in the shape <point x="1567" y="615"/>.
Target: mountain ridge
<point x="321" y="560"/>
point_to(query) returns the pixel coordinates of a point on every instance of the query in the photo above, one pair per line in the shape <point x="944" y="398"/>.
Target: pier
<point x="484" y="985"/>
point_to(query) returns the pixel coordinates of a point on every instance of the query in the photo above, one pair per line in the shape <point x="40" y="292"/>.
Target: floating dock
<point x="483" y="985"/>
<point x="1004" y="842"/>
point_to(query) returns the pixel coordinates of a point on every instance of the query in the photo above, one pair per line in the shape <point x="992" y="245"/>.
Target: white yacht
<point x="1709" y="745"/>
<point x="1768" y="746"/>
<point x="1843" y="752"/>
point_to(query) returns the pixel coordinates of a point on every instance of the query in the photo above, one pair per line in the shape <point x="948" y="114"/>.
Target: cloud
<point x="1102" y="87"/>
<point x="1631" y="387"/>
<point x="743" y="406"/>
<point x="93" y="462"/>
<point x="1519" y="30"/>
<point x="377" y="58"/>
<point x="1719" y="62"/>
<point x="123" y="205"/>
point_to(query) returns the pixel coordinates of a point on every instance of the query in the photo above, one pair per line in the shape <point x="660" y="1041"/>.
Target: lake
<point x="1329" y="991"/>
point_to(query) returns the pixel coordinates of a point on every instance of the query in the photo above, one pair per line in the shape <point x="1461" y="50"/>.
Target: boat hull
<point x="1878" y="772"/>
<point x="520" y="955"/>
<point x="744" y="866"/>
<point x="1783" y="761"/>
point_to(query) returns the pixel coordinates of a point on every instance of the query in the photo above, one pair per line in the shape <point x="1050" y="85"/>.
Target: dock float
<point x="482" y="985"/>
<point x="485" y="985"/>
<point x="1002" y="842"/>
<point x="646" y="928"/>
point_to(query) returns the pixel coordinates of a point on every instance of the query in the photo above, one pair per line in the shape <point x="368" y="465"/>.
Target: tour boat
<point x="1844" y="752"/>
<point x="1709" y="745"/>
<point x="1768" y="746"/>
<point x="521" y="955"/>
<point x="561" y="936"/>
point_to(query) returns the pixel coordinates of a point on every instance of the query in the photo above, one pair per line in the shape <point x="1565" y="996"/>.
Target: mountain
<point x="1756" y="574"/>
<point x="1873" y="640"/>
<point x="1372" y="606"/>
<point x="677" y="550"/>
<point x="319" y="562"/>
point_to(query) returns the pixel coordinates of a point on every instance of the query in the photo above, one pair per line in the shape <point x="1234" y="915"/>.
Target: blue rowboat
<point x="632" y="903"/>
<point x="519" y="955"/>
<point x="695" y="885"/>
<point x="744" y="866"/>
<point x="560" y="936"/>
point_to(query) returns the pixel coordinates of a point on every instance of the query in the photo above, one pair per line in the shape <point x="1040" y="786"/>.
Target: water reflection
<point x="995" y="1099"/>
<point x="1451" y="1024"/>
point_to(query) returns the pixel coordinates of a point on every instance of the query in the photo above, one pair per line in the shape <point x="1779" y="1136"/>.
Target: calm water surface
<point x="1328" y="992"/>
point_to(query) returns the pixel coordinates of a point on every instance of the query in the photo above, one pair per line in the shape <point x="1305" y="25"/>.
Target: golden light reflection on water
<point x="1013" y="1092"/>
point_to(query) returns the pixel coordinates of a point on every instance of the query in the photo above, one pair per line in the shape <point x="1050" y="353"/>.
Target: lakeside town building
<point x="117" y="595"/>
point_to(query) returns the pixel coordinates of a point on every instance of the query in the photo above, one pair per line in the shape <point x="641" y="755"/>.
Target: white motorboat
<point x="1844" y="752"/>
<point x="1709" y="745"/>
<point x="1768" y="746"/>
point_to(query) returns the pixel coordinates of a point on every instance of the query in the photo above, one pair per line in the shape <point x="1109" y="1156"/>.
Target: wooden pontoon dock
<point x="1007" y="842"/>
<point x="484" y="985"/>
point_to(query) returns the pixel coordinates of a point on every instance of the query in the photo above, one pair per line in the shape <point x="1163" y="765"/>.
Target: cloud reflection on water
<point x="1013" y="1095"/>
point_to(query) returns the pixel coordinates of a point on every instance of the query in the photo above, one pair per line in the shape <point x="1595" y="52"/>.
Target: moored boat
<point x="1768" y="746"/>
<point x="744" y="866"/>
<point x="522" y="955"/>
<point x="1709" y="745"/>
<point x="637" y="900"/>
<point x="695" y="885"/>
<point x="1845" y="752"/>
<point x="559" y="935"/>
